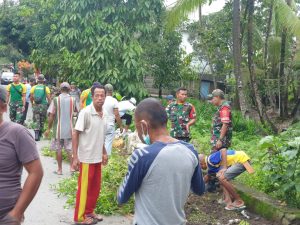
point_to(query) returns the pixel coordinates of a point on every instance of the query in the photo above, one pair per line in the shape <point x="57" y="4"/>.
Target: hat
<point x="216" y="93"/>
<point x="109" y="87"/>
<point x="96" y="84"/>
<point x="65" y="85"/>
<point x="3" y="93"/>
<point x="41" y="77"/>
<point x="169" y="97"/>
<point x="133" y="101"/>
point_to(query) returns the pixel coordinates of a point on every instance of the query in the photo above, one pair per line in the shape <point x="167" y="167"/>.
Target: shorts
<point x="8" y="220"/>
<point x="59" y="144"/>
<point x="233" y="171"/>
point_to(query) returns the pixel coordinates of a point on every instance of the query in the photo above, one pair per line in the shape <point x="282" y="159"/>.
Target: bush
<point x="112" y="176"/>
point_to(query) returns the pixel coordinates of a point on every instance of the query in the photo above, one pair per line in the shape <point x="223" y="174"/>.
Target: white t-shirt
<point x="92" y="135"/>
<point x="109" y="105"/>
<point x="125" y="106"/>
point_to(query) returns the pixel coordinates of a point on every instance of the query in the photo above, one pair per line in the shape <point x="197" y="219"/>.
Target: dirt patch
<point x="205" y="210"/>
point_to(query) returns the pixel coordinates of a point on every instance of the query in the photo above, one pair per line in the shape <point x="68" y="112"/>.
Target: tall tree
<point x="251" y="65"/>
<point x="237" y="56"/>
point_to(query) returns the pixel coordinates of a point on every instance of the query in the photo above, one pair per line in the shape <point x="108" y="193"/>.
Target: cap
<point x="216" y="93"/>
<point x="96" y="83"/>
<point x="169" y="97"/>
<point x="133" y="101"/>
<point x="65" y="85"/>
<point x="3" y="93"/>
<point x="41" y="77"/>
<point x="109" y="87"/>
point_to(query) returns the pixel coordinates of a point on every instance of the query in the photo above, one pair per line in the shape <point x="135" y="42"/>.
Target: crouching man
<point x="227" y="164"/>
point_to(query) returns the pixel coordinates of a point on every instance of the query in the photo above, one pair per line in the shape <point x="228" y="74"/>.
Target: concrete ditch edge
<point x="267" y="207"/>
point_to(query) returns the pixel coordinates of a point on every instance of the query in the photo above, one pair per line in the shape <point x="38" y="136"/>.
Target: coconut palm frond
<point x="286" y="17"/>
<point x="181" y="11"/>
<point x="274" y="49"/>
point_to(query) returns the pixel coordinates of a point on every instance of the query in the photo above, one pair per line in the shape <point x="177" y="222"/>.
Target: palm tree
<point x="181" y="11"/>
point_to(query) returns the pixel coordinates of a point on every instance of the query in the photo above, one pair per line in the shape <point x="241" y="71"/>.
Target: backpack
<point x="39" y="99"/>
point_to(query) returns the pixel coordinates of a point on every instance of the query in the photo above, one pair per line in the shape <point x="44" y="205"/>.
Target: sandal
<point x="232" y="207"/>
<point x="58" y="172"/>
<point x="96" y="217"/>
<point x="86" y="221"/>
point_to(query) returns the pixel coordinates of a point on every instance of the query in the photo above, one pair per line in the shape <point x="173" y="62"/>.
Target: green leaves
<point x="266" y="142"/>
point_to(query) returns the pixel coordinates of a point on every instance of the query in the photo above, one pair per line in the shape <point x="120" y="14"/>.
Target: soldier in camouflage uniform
<point x="222" y="122"/>
<point x="40" y="98"/>
<point x="182" y="116"/>
<point x="16" y="95"/>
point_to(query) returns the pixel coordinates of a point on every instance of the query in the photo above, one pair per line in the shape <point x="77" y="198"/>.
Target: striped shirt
<point x="63" y="108"/>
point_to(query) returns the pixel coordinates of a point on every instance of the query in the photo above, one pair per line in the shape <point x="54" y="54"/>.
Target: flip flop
<point x="57" y="173"/>
<point x="87" y="221"/>
<point x="233" y="207"/>
<point x="96" y="217"/>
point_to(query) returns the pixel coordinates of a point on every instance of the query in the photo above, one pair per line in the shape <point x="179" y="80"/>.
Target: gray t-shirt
<point x="161" y="176"/>
<point x="17" y="148"/>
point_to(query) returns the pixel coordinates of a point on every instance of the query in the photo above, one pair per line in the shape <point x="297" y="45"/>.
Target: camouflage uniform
<point x="16" y="92"/>
<point x="40" y="109"/>
<point x="180" y="115"/>
<point x="15" y="112"/>
<point x="223" y="115"/>
<point x="39" y="116"/>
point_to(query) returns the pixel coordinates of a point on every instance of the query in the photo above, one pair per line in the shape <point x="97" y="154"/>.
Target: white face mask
<point x="146" y="137"/>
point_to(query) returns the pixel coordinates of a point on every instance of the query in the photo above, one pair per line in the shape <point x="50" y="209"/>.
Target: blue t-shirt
<point x="161" y="176"/>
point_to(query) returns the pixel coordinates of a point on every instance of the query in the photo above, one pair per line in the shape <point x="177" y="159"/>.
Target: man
<point x="125" y="109"/>
<point x="89" y="153"/>
<point x="228" y="164"/>
<point x="182" y="116"/>
<point x="112" y="109"/>
<point x="161" y="174"/>
<point x="40" y="98"/>
<point x="86" y="97"/>
<point x="75" y="93"/>
<point x="61" y="113"/>
<point x="222" y="121"/>
<point x="28" y="88"/>
<point x="17" y="150"/>
<point x="170" y="99"/>
<point x="16" y="99"/>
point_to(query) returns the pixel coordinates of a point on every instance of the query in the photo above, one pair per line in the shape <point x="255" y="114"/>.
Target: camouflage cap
<point x="216" y="93"/>
<point x="3" y="94"/>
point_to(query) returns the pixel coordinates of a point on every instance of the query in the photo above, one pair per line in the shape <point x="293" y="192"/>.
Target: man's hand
<point x="220" y="174"/>
<point x="23" y="108"/>
<point x="219" y="144"/>
<point x="47" y="132"/>
<point x="104" y="159"/>
<point x="188" y="128"/>
<point x="75" y="163"/>
<point x="18" y="217"/>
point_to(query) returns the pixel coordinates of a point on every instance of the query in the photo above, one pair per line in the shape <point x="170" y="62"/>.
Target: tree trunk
<point x="160" y="91"/>
<point x="237" y="57"/>
<point x="200" y="14"/>
<point x="258" y="103"/>
<point x="283" y="78"/>
<point x="269" y="92"/>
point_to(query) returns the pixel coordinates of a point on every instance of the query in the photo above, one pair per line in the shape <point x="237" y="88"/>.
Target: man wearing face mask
<point x="166" y="164"/>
